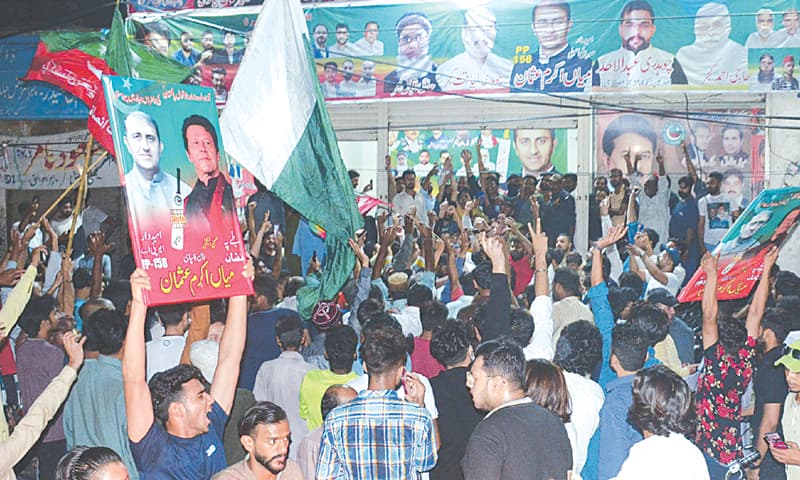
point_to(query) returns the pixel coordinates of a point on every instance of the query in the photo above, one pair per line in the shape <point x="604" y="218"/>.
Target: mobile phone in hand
<point x="775" y="441"/>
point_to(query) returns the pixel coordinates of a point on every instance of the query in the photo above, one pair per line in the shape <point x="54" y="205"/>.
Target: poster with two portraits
<point x="182" y="215"/>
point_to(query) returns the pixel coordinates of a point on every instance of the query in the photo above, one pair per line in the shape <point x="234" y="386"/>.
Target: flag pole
<point x="81" y="193"/>
<point x="70" y="188"/>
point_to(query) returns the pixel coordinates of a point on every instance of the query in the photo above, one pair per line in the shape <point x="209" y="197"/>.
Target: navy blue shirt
<point x="159" y="455"/>
<point x="260" y="345"/>
<point x="684" y="216"/>
<point x="558" y="216"/>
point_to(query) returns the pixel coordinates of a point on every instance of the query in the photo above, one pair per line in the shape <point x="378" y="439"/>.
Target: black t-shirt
<point x="457" y="419"/>
<point x="769" y="383"/>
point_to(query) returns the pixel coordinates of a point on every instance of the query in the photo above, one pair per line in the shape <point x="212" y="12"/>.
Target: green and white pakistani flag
<point x="276" y="125"/>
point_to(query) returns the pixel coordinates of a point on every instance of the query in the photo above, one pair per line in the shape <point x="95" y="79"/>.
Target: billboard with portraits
<point x="182" y="217"/>
<point x="725" y="141"/>
<point x="523" y="151"/>
<point x="412" y="48"/>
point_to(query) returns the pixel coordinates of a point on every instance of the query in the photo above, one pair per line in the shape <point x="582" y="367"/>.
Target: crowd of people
<point x="471" y="341"/>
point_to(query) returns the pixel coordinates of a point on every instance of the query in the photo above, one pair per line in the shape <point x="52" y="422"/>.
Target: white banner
<point x="51" y="162"/>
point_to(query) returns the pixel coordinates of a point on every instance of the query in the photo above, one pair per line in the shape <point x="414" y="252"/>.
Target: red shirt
<point x="422" y="361"/>
<point x="524" y="273"/>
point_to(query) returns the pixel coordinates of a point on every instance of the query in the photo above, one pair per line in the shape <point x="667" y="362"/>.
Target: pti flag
<point x="275" y="124"/>
<point x="75" y="62"/>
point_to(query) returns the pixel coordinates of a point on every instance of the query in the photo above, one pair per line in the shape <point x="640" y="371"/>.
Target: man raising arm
<point x="186" y="441"/>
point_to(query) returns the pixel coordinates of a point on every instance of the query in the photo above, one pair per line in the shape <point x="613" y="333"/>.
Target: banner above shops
<point x="52" y="162"/>
<point x="396" y="50"/>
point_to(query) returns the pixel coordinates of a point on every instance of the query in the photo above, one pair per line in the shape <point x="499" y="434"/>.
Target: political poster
<point x="769" y="220"/>
<point x="182" y="217"/>
<point x="730" y="142"/>
<point x="409" y="48"/>
<point x="523" y="151"/>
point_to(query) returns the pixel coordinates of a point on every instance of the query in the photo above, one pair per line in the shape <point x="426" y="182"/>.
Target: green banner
<point x="396" y="50"/>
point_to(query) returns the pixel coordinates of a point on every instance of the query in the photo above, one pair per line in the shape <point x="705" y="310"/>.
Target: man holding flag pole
<point x="278" y="128"/>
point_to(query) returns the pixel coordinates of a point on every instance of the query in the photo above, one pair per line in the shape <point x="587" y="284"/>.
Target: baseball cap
<point x="791" y="357"/>
<point x="662" y="296"/>
<point x="673" y="253"/>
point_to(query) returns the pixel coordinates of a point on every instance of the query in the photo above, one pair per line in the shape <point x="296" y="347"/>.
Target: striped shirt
<point x="377" y="435"/>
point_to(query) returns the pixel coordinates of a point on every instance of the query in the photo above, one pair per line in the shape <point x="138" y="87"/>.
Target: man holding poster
<point x="150" y="190"/>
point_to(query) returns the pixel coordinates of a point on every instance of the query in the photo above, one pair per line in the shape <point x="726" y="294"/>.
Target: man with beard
<point x="709" y="232"/>
<point x="683" y="222"/>
<point x="265" y="435"/>
<point x="416" y="72"/>
<point x="365" y="87"/>
<point x="571" y="71"/>
<point x="477" y="68"/>
<point x="557" y="211"/>
<point x="618" y="198"/>
<point x="207" y="40"/>
<point x="342" y="48"/>
<point x="218" y="82"/>
<point x="713" y="58"/>
<point x="347" y="87"/>
<point x="320" y="46"/>
<point x="187" y="55"/>
<point x="624" y="68"/>
<point x="764" y="36"/>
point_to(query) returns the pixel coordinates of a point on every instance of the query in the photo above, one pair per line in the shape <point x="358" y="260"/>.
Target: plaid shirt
<point x="377" y="435"/>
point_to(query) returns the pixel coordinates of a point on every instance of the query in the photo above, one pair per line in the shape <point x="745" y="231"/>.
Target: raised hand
<point x="140" y="281"/>
<point x="615" y="233"/>
<point x="359" y="252"/>
<point x="770" y="258"/>
<point x="709" y="264"/>
<point x="97" y="244"/>
<point x="73" y="345"/>
<point x="538" y="238"/>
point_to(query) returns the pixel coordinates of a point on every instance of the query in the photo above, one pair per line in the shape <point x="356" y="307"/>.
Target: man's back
<point x="94" y="414"/>
<point x="377" y="436"/>
<point x="457" y="420"/>
<point x="569" y="310"/>
<point x="502" y="446"/>
<point x="260" y="345"/>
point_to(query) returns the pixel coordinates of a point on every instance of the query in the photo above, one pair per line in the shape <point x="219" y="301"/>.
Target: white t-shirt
<point x="673" y="284"/>
<point x="667" y="458"/>
<point x="164" y="353"/>
<point x="716" y="223"/>
<point x="586" y="398"/>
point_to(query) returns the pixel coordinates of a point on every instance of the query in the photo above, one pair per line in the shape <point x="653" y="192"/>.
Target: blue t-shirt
<point x="160" y="455"/>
